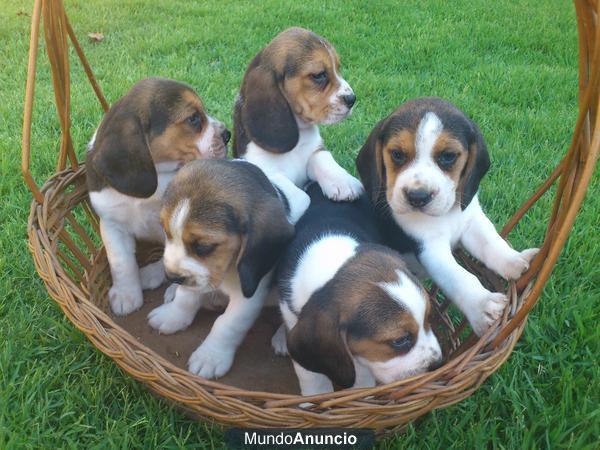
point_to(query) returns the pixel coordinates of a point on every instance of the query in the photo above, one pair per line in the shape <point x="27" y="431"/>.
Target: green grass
<point x="511" y="65"/>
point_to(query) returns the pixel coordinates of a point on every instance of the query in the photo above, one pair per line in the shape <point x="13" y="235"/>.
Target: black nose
<point x="226" y="135"/>
<point x="418" y="198"/>
<point x="436" y="364"/>
<point x="174" y="278"/>
<point x="349" y="100"/>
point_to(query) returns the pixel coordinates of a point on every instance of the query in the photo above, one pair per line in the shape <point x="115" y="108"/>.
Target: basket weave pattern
<point x="68" y="256"/>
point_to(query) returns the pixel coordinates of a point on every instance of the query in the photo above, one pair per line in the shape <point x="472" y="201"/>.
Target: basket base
<point x="256" y="367"/>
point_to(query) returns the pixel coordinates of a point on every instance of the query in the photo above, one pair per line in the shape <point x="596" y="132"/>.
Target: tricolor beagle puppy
<point x="140" y="144"/>
<point x="291" y="87"/>
<point x="422" y="166"/>
<point x="354" y="314"/>
<point x="226" y="225"/>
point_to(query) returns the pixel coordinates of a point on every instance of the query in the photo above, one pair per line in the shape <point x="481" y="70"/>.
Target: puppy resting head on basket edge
<point x="354" y="314"/>
<point x="140" y="144"/>
<point x="422" y="166"/>
<point x="226" y="224"/>
<point x="290" y="87"/>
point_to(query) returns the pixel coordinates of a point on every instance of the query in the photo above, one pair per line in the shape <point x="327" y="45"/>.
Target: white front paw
<point x="486" y="311"/>
<point x="170" y="293"/>
<point x="341" y="187"/>
<point x="279" y="342"/>
<point x="211" y="361"/>
<point x="517" y="264"/>
<point x="125" y="299"/>
<point x="170" y="318"/>
<point x="152" y="275"/>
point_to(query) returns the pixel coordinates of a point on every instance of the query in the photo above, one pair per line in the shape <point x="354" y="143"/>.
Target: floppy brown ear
<point x="266" y="115"/>
<point x="370" y="166"/>
<point x="267" y="232"/>
<point x="478" y="163"/>
<point x="121" y="156"/>
<point x="316" y="341"/>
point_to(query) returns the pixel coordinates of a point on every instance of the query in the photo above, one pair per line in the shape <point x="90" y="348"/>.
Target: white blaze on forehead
<point x="178" y="218"/>
<point x="428" y="132"/>
<point x="406" y="293"/>
<point x="204" y="143"/>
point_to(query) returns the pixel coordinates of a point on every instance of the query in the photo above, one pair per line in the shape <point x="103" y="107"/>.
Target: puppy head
<point x="159" y="120"/>
<point x="295" y="77"/>
<point x="425" y="157"/>
<point x="220" y="216"/>
<point x="372" y="311"/>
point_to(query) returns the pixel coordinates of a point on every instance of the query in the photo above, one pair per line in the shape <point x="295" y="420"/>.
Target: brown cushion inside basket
<point x="255" y="367"/>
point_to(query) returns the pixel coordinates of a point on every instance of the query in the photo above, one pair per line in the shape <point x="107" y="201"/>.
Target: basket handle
<point x="56" y="30"/>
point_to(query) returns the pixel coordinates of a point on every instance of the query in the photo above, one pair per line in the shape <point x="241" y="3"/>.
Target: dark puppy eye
<point x="398" y="157"/>
<point x="203" y="249"/>
<point x="319" y="78"/>
<point x="403" y="344"/>
<point x="194" y="120"/>
<point x="446" y="159"/>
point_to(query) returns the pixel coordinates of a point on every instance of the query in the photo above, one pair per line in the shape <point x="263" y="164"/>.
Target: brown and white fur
<point x="290" y="87"/>
<point x="142" y="141"/>
<point x="422" y="166"/>
<point x="354" y="314"/>
<point x="226" y="225"/>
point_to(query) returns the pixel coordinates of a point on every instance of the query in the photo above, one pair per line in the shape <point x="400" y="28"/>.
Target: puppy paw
<point x="279" y="342"/>
<point x="210" y="361"/>
<point x="517" y="264"/>
<point x="152" y="275"/>
<point x="125" y="300"/>
<point x="170" y="318"/>
<point x="490" y="308"/>
<point x="170" y="292"/>
<point x="341" y="187"/>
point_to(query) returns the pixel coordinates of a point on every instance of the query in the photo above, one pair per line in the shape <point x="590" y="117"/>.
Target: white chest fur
<point x="292" y="164"/>
<point x="137" y="216"/>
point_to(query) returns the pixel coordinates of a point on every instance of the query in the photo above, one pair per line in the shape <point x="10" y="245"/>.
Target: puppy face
<point x="220" y="216"/>
<point x="426" y="157"/>
<point x="158" y="121"/>
<point x="296" y="77"/>
<point x="372" y="311"/>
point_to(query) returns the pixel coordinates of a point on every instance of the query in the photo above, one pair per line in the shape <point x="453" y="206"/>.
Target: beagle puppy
<point x="289" y="88"/>
<point x="354" y="314"/>
<point x="422" y="166"/>
<point x="142" y="141"/>
<point x="226" y="224"/>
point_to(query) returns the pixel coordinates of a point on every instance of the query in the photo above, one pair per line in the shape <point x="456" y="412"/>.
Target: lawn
<point x="511" y="65"/>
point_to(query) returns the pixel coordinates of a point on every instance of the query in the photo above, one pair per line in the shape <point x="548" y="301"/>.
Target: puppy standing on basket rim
<point x="226" y="225"/>
<point x="422" y="166"/>
<point x="290" y="87"/>
<point x="354" y="313"/>
<point x="142" y="141"/>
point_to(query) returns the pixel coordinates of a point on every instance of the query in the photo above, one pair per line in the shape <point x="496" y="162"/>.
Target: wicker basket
<point x="63" y="239"/>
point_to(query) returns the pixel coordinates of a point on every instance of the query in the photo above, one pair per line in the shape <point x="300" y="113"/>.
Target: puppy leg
<point x="215" y="356"/>
<point x="177" y="315"/>
<point x="152" y="275"/>
<point x="311" y="383"/>
<point x="482" y="241"/>
<point x="481" y="307"/>
<point x="125" y="295"/>
<point x="298" y="200"/>
<point x="279" y="342"/>
<point x="336" y="183"/>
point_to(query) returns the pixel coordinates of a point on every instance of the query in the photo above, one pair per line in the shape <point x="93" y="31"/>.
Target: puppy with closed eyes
<point x="290" y="87"/>
<point x="422" y="166"/>
<point x="354" y="314"/>
<point x="226" y="224"/>
<point x="142" y="141"/>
